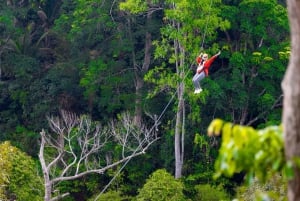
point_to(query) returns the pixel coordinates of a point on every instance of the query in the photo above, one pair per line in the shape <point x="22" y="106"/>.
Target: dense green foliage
<point x="258" y="153"/>
<point x="161" y="186"/>
<point x="87" y="56"/>
<point x="111" y="196"/>
<point x="247" y="149"/>
<point x="275" y="189"/>
<point x="207" y="192"/>
<point x="19" y="179"/>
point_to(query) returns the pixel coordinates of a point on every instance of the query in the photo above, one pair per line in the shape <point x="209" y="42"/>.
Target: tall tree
<point x="291" y="90"/>
<point x="181" y="37"/>
<point x="140" y="71"/>
<point x="29" y="50"/>
<point x="141" y="63"/>
<point x="179" y="44"/>
<point x="119" y="50"/>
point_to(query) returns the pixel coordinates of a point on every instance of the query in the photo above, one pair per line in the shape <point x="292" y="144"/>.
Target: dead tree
<point x="75" y="147"/>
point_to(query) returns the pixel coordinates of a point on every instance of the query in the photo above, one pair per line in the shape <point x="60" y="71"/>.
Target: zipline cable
<point x="125" y="163"/>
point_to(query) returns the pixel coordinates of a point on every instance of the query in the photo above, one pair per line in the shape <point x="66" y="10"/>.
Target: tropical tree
<point x="30" y="52"/>
<point x="161" y="186"/>
<point x="114" y="54"/>
<point x="180" y="43"/>
<point x="290" y="121"/>
<point x="245" y="88"/>
<point x="257" y="153"/>
<point x="255" y="55"/>
<point x="19" y="179"/>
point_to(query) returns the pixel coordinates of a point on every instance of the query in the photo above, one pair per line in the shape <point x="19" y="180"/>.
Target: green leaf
<point x="257" y="152"/>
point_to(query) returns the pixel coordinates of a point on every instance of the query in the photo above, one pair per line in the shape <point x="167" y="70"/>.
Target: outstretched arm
<point x="212" y="59"/>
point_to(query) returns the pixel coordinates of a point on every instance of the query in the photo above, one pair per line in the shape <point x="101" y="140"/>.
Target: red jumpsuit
<point x="202" y="71"/>
<point x="207" y="63"/>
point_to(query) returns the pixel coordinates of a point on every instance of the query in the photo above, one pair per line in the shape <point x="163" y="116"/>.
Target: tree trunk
<point x="179" y="137"/>
<point x="180" y="115"/>
<point x="179" y="132"/>
<point x="139" y="76"/>
<point x="291" y="102"/>
<point x="47" y="182"/>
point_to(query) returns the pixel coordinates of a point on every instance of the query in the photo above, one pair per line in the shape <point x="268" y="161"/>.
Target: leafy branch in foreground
<point x="258" y="153"/>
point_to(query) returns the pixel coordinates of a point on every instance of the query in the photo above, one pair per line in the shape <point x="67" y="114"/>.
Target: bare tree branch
<point x="76" y="147"/>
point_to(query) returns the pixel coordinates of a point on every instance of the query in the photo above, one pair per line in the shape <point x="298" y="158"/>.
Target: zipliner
<point x="202" y="70"/>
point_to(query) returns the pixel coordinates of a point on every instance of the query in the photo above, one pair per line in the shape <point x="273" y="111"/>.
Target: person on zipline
<point x="202" y="70"/>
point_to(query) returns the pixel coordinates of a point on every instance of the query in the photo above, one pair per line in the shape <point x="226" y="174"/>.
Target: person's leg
<point x="201" y="77"/>
<point x="196" y="81"/>
<point x="197" y="78"/>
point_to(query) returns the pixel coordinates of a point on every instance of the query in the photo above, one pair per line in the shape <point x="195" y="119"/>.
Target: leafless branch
<point x="75" y="148"/>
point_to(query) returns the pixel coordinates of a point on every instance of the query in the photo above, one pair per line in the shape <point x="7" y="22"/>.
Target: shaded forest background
<point x="93" y="58"/>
